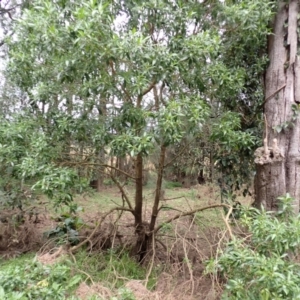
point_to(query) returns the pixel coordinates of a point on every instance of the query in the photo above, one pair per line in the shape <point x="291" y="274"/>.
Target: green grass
<point x="6" y="264"/>
<point x="26" y="278"/>
<point x="210" y="218"/>
<point x="172" y="185"/>
<point x="112" y="268"/>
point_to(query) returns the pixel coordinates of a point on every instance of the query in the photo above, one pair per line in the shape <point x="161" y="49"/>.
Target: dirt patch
<point x="182" y="251"/>
<point x="140" y="291"/>
<point x="85" y="291"/>
<point x="172" y="288"/>
<point x="52" y="257"/>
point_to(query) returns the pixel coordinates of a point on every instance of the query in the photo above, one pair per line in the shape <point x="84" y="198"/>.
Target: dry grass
<point x="21" y="237"/>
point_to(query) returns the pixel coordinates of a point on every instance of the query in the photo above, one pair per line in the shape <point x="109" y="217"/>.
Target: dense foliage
<point x="107" y="82"/>
<point x="124" y="76"/>
<point x="261" y="265"/>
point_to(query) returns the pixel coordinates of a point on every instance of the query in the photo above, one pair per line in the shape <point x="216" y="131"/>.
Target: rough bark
<point x="269" y="180"/>
<point x="278" y="170"/>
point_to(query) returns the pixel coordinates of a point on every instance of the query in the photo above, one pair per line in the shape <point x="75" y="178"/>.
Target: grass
<point x="210" y="218"/>
<point x="6" y="264"/>
<point x="112" y="268"/>
<point x="26" y="278"/>
<point x="171" y="184"/>
<point x="176" y="196"/>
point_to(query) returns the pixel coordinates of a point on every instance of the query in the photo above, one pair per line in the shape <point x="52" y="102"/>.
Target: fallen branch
<point x="88" y="239"/>
<point x="167" y="199"/>
<point x="169" y="208"/>
<point x="188" y="214"/>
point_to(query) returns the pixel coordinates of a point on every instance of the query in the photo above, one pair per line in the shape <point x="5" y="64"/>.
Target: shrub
<point x="35" y="281"/>
<point x="67" y="229"/>
<point x="262" y="266"/>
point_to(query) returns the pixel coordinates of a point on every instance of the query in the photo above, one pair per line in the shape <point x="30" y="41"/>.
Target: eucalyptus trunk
<point x="278" y="162"/>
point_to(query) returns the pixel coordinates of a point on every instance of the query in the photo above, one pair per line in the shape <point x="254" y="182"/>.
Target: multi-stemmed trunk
<point x="144" y="230"/>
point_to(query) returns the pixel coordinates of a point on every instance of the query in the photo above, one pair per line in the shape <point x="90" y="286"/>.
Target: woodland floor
<point x="182" y="246"/>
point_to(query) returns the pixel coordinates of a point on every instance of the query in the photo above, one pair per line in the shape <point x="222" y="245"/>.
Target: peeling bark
<point x="277" y="176"/>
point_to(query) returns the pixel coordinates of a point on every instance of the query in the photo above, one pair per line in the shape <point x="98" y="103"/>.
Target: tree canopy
<point x="132" y="78"/>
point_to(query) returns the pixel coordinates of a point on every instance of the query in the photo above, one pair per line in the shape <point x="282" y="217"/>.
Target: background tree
<point x="10" y="11"/>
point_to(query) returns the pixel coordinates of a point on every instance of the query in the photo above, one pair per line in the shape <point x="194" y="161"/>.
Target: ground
<point x="174" y="268"/>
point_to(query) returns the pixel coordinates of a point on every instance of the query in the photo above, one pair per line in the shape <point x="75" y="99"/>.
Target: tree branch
<point x="124" y="195"/>
<point x="70" y="163"/>
<point x="114" y="73"/>
<point x="188" y="214"/>
<point x="147" y="90"/>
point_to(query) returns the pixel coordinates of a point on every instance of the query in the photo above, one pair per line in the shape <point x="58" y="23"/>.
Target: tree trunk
<point x="138" y="190"/>
<point x="158" y="187"/>
<point x="141" y="229"/>
<point x="278" y="162"/>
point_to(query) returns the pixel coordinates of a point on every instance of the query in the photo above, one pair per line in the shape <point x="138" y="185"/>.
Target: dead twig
<point x="88" y="239"/>
<point x="226" y="221"/>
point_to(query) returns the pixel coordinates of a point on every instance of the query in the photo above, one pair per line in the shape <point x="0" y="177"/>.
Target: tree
<point x="127" y="78"/>
<point x="277" y="163"/>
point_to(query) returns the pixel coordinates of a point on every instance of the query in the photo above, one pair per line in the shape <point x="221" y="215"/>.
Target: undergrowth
<point x="172" y="184"/>
<point x="33" y="280"/>
<point x="14" y="262"/>
<point x="262" y="263"/>
<point x="113" y="267"/>
<point x="25" y="278"/>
